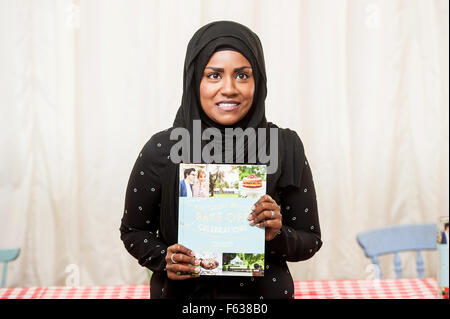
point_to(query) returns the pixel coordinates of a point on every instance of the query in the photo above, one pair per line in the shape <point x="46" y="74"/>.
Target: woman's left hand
<point x="266" y="213"/>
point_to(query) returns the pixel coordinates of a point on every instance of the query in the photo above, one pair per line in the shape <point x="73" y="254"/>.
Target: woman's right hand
<point x="181" y="263"/>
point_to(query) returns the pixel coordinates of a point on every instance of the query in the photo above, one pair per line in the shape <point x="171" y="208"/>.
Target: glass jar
<point x="442" y="248"/>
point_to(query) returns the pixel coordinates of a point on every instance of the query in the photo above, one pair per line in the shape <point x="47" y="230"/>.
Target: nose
<point x="228" y="86"/>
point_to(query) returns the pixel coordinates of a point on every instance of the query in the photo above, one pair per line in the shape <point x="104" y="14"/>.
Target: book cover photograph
<point x="214" y="203"/>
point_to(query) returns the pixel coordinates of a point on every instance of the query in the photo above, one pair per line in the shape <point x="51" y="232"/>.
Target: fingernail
<point x="196" y="262"/>
<point x="253" y="207"/>
<point x="192" y="253"/>
<point x="252" y="222"/>
<point x="196" y="269"/>
<point x="250" y="217"/>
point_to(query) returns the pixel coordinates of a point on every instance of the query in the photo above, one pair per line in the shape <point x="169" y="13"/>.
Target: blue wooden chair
<point x="7" y="255"/>
<point x="395" y="239"/>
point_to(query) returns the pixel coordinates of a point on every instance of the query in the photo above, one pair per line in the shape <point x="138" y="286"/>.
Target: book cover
<point x="215" y="201"/>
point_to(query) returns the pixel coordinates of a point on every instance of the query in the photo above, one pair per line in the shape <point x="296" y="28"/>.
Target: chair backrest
<point x="7" y="255"/>
<point x="395" y="239"/>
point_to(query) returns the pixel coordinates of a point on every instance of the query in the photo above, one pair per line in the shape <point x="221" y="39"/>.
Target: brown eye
<point x="209" y="76"/>
<point x="246" y="76"/>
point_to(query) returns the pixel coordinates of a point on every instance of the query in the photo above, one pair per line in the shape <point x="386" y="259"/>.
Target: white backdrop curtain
<point x="84" y="84"/>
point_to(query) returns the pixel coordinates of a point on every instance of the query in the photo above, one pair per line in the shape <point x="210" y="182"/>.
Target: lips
<point x="228" y="105"/>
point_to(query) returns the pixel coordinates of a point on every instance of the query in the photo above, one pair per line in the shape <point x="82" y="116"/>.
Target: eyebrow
<point x="222" y="70"/>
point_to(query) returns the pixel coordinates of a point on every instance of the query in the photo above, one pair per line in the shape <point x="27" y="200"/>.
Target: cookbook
<point x="214" y="203"/>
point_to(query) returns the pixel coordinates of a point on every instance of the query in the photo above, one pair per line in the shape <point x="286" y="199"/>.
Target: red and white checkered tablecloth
<point x="327" y="289"/>
<point x="367" y="289"/>
<point x="87" y="292"/>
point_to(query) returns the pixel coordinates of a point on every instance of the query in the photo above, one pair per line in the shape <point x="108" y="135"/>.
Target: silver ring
<point x="171" y="258"/>
<point x="273" y="215"/>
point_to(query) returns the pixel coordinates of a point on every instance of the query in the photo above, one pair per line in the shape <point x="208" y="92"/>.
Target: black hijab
<point x="213" y="37"/>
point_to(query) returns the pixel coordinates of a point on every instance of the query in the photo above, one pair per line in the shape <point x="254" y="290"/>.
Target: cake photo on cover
<point x="252" y="181"/>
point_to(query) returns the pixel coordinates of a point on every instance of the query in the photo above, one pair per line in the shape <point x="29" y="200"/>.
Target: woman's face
<point x="227" y="87"/>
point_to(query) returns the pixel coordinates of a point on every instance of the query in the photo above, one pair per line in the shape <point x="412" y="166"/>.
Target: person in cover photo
<point x="186" y="188"/>
<point x="444" y="235"/>
<point x="224" y="87"/>
<point x="201" y="188"/>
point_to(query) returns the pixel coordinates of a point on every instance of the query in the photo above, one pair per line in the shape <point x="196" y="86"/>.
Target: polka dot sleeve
<point x="140" y="221"/>
<point x="299" y="237"/>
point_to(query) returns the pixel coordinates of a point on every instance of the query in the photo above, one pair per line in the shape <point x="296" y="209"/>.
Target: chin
<point x="227" y="121"/>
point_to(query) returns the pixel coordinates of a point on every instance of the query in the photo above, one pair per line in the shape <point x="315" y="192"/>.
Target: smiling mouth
<point x="228" y="107"/>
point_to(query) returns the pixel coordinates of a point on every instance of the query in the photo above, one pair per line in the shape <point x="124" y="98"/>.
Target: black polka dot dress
<point x="298" y="239"/>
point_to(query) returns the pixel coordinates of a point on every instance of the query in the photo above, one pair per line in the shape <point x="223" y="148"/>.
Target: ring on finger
<point x="171" y="258"/>
<point x="272" y="216"/>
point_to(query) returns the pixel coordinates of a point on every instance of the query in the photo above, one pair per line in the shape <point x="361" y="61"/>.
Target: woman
<point x="202" y="187"/>
<point x="224" y="87"/>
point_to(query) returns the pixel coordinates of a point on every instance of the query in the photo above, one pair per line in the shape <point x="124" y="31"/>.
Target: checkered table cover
<point x="367" y="289"/>
<point x="328" y="289"/>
